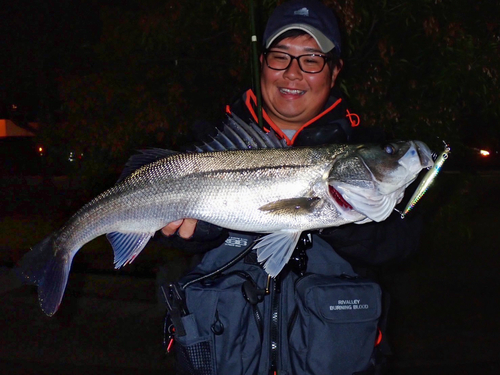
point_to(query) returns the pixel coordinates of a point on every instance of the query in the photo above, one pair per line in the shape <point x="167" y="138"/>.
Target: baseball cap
<point x="311" y="16"/>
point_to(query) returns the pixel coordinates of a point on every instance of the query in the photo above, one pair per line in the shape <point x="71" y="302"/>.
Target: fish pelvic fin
<point x="47" y="268"/>
<point x="127" y="246"/>
<point x="275" y="249"/>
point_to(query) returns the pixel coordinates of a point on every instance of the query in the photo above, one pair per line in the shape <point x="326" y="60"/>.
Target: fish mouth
<point x="425" y="154"/>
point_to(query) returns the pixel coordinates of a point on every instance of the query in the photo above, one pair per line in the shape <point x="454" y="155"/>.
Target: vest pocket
<point x="222" y="330"/>
<point x="334" y="325"/>
<point x="195" y="355"/>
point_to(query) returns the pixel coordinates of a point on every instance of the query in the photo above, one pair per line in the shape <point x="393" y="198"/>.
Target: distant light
<point x="484" y="153"/>
<point x="40" y="150"/>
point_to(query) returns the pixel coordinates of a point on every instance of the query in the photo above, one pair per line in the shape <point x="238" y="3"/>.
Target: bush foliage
<point x="425" y="69"/>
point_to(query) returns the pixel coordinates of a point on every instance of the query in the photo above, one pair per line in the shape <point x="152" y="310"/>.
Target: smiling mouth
<point x="291" y="91"/>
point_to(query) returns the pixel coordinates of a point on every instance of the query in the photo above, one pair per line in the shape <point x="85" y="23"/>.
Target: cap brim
<point x="325" y="44"/>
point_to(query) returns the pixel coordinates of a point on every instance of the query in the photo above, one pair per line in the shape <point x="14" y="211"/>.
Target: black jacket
<point x="362" y="245"/>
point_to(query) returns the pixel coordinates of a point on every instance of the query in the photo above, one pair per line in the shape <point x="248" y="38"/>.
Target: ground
<point x="443" y="317"/>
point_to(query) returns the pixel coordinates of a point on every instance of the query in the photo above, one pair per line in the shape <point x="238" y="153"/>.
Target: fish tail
<point x="49" y="270"/>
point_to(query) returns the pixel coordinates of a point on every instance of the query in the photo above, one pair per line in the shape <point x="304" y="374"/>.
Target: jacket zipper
<point x="274" y="344"/>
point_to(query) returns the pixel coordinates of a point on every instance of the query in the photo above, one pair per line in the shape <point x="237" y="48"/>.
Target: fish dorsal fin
<point x="144" y="157"/>
<point x="275" y="250"/>
<point x="126" y="246"/>
<point x="235" y="135"/>
<point x="238" y="135"/>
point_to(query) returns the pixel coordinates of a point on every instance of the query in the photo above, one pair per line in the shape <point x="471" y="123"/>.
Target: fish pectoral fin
<point x="127" y="246"/>
<point x="275" y="249"/>
<point x="294" y="206"/>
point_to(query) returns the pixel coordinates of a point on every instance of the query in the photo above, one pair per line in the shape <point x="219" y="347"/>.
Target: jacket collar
<point x="251" y="103"/>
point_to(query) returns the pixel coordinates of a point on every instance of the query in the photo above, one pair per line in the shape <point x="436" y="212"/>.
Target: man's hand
<point x="184" y="227"/>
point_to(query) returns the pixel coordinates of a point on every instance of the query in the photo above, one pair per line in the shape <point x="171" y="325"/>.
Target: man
<point x="268" y="329"/>
<point x="291" y="96"/>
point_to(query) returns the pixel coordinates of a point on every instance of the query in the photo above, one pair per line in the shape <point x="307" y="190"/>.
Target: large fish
<point x="280" y="191"/>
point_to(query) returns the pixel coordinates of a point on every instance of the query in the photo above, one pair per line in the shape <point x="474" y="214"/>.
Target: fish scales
<point x="157" y="195"/>
<point x="280" y="174"/>
<point x="277" y="191"/>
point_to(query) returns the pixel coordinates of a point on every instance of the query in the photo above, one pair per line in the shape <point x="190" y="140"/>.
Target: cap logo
<point x="302" y="12"/>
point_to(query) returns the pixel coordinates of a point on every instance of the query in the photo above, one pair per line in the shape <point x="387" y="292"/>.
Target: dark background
<point x="105" y="78"/>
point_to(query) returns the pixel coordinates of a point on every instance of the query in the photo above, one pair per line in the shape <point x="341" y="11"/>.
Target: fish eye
<point x="389" y="149"/>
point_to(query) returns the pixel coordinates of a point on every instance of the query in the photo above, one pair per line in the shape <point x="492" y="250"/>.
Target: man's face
<point x="292" y="97"/>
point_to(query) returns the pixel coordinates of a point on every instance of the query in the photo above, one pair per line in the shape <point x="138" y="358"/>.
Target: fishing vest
<point x="227" y="317"/>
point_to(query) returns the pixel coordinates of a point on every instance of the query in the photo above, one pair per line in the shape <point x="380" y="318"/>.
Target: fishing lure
<point x="426" y="182"/>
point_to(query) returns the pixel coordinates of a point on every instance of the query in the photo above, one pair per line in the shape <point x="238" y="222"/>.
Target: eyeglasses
<point x="311" y="63"/>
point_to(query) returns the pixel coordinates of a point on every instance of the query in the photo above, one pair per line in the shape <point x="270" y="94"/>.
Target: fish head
<point x="371" y="179"/>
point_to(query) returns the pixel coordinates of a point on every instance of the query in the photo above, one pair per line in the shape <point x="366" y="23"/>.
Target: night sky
<point x="39" y="39"/>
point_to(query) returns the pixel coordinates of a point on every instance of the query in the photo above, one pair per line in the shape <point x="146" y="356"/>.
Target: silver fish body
<point x="278" y="191"/>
